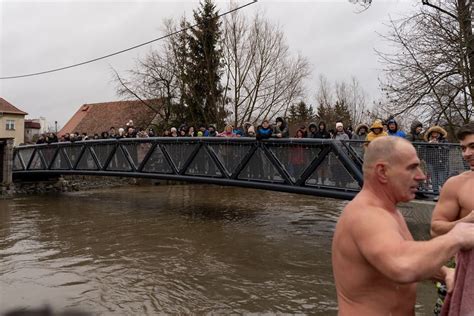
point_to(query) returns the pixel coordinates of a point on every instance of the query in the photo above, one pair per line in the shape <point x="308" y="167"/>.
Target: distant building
<point x="12" y="122"/>
<point x="99" y="117"/>
<point x="33" y="129"/>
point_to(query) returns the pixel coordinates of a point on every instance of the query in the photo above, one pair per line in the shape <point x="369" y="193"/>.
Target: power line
<point x="123" y="50"/>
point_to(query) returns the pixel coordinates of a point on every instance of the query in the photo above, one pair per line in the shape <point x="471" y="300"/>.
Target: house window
<point x="10" y="125"/>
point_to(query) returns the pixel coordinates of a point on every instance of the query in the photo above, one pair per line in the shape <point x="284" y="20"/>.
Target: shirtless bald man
<point x="376" y="262"/>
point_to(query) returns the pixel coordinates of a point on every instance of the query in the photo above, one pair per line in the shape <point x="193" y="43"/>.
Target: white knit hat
<point x="339" y="124"/>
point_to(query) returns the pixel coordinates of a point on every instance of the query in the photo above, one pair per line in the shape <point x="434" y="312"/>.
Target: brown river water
<point x="181" y="249"/>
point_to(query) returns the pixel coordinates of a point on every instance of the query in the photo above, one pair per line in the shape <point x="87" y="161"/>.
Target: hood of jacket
<point x="390" y="121"/>
<point x="438" y="129"/>
<point x="358" y="127"/>
<point x="414" y="125"/>
<point x="376" y="124"/>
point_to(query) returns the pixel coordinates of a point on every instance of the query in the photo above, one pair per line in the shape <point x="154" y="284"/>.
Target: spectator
<point x="416" y="134"/>
<point x="361" y="132"/>
<point x="376" y="130"/>
<point x="393" y="129"/>
<point x="190" y="132"/>
<point x="436" y="157"/>
<point x="112" y="133"/>
<point x="385" y="126"/>
<point x="340" y="133"/>
<point x="174" y="132"/>
<point x="41" y="139"/>
<point x="212" y="131"/>
<point x="264" y="131"/>
<point x="151" y="132"/>
<point x="322" y="132"/>
<point x="228" y="131"/>
<point x="104" y="135"/>
<point x="251" y="131"/>
<point x="281" y="129"/>
<point x="203" y="130"/>
<point x="313" y="130"/>
<point x="303" y="129"/>
<point x="297" y="157"/>
<point x="121" y="133"/>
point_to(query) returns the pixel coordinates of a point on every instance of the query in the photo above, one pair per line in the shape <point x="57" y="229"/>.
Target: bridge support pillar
<point x="6" y="161"/>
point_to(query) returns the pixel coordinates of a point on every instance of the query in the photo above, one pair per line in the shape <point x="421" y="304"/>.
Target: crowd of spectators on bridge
<point x="266" y="130"/>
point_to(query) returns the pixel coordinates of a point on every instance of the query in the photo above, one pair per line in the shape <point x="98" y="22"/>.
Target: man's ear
<point x="381" y="172"/>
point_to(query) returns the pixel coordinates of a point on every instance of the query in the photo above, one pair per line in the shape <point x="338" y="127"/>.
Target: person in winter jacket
<point x="228" y="132"/>
<point x="281" y="128"/>
<point x="376" y="130"/>
<point x="436" y="156"/>
<point x="416" y="134"/>
<point x="340" y="133"/>
<point x="360" y="132"/>
<point x="322" y="132"/>
<point x="264" y="131"/>
<point x="393" y="129"/>
<point x="312" y="130"/>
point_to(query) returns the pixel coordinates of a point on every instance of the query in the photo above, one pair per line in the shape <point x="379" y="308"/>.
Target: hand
<point x="464" y="233"/>
<point x="449" y="279"/>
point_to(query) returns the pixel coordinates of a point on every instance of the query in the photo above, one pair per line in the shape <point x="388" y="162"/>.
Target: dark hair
<point x="465" y="130"/>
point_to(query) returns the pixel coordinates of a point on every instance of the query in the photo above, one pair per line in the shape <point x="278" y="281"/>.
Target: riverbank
<point x="69" y="184"/>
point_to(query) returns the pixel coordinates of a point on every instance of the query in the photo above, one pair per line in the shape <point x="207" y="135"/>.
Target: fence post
<point x="6" y="157"/>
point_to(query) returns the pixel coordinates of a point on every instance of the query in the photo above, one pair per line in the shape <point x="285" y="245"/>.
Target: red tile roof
<point x="99" y="117"/>
<point x="7" y="107"/>
<point x="32" y="125"/>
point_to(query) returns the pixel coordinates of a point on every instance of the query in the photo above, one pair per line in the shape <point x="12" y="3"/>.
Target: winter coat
<point x="322" y="133"/>
<point x="371" y="136"/>
<point x="397" y="132"/>
<point x="413" y="136"/>
<point x="356" y="136"/>
<point x="264" y="133"/>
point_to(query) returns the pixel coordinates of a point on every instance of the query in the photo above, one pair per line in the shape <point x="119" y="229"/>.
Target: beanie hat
<point x="339" y="124"/>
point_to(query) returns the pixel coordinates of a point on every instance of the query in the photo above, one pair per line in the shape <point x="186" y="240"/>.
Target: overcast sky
<point x="43" y="35"/>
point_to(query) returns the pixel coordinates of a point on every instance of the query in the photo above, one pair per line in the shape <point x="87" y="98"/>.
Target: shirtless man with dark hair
<point x="456" y="205"/>
<point x="376" y="262"/>
<point x="456" y="202"/>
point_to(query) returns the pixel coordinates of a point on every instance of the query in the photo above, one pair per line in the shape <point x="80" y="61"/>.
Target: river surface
<point x="181" y="249"/>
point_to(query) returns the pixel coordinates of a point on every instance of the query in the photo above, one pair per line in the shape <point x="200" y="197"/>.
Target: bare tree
<point x="350" y="97"/>
<point x="430" y="76"/>
<point x="261" y="78"/>
<point x="157" y="80"/>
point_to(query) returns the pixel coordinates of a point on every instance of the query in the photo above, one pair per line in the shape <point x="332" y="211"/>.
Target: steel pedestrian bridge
<point x="327" y="168"/>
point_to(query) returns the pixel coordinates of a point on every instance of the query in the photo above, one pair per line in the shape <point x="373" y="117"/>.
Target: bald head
<point x="387" y="149"/>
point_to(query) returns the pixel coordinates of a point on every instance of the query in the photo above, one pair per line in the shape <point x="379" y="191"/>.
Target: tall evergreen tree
<point x="203" y="95"/>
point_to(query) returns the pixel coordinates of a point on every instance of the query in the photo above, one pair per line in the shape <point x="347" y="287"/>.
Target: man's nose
<point x="421" y="176"/>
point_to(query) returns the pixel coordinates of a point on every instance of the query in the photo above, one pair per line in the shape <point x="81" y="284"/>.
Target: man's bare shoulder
<point x="456" y="181"/>
<point x="362" y="212"/>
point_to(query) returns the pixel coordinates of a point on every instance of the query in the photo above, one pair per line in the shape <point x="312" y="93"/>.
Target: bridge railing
<point x="324" y="167"/>
<point x="439" y="161"/>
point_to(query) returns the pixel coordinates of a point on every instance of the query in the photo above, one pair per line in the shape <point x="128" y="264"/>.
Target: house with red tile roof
<point x="12" y="122"/>
<point x="99" y="117"/>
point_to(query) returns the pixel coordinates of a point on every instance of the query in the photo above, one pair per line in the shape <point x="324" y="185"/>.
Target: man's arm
<point x="447" y="210"/>
<point x="405" y="261"/>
